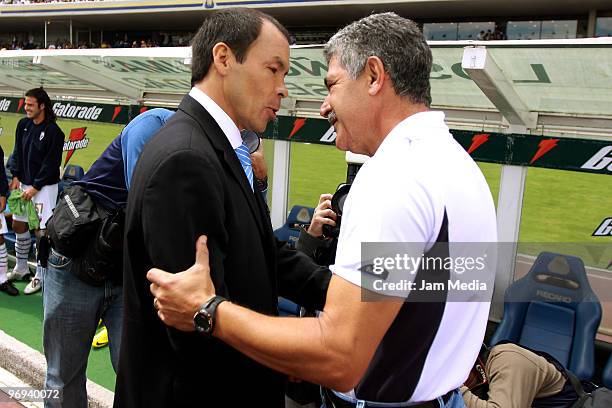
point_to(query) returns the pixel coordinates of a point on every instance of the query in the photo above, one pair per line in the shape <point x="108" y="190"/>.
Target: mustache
<point x="331" y="117"/>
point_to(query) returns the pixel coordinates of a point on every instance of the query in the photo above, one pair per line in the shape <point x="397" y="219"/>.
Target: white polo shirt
<point x="401" y="194"/>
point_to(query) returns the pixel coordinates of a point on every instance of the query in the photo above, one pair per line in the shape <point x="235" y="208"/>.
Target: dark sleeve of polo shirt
<point x="50" y="167"/>
<point x="17" y="160"/>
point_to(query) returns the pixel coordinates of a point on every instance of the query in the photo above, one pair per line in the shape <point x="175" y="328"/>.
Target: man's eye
<point x="274" y="70"/>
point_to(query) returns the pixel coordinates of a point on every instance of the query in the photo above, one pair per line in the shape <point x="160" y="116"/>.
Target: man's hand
<point x="177" y="297"/>
<point x="14" y="184"/>
<point x="29" y="193"/>
<point x="2" y="203"/>
<point x="260" y="168"/>
<point x="323" y="215"/>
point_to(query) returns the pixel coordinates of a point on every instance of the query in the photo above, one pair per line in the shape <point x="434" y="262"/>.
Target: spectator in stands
<point x="36" y="162"/>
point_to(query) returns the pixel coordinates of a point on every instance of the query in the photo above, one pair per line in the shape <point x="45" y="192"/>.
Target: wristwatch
<point x="204" y="319"/>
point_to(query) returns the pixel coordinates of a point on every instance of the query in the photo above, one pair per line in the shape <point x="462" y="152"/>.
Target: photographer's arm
<point x="312" y="239"/>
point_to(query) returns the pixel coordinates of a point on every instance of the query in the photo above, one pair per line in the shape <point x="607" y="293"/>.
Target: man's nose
<point x="282" y="91"/>
<point x="325" y="108"/>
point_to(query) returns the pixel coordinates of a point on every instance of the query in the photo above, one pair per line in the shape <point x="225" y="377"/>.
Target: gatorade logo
<point x="329" y="136"/>
<point x="5" y="104"/>
<point x="69" y="111"/>
<point x="604" y="229"/>
<point x="600" y="160"/>
<point x="76" y="141"/>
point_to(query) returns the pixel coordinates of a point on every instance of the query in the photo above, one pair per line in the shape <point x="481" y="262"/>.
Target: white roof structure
<point x="564" y="86"/>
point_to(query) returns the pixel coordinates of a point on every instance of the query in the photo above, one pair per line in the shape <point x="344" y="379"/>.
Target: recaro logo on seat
<point x="604" y="229"/>
<point x="553" y="296"/>
<point x="600" y="160"/>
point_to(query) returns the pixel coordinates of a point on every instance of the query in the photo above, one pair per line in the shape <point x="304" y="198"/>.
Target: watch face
<point x="203" y="321"/>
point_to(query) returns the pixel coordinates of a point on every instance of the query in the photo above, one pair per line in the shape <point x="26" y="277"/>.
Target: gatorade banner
<point x="592" y="156"/>
<point x="120" y="114"/>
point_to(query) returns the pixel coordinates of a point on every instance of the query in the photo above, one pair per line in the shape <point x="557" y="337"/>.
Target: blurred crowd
<point x="43" y="1"/>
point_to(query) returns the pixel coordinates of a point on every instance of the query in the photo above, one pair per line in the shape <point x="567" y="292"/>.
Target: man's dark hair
<point x="236" y="27"/>
<point x="42" y="97"/>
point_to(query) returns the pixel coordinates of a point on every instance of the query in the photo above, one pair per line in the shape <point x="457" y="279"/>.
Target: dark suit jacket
<point x="189" y="182"/>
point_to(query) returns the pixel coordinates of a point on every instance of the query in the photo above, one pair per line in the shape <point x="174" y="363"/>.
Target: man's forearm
<point x="295" y="346"/>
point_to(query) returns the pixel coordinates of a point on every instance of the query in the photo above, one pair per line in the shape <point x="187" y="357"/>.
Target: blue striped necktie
<point x="242" y="152"/>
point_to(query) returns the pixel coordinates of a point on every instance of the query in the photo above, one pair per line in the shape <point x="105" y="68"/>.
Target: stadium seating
<point x="72" y="172"/>
<point x="554" y="309"/>
<point x="606" y="377"/>
<point x="290" y="231"/>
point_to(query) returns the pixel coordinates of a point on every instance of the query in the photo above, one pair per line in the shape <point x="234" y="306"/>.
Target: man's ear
<point x="222" y="58"/>
<point x="375" y="74"/>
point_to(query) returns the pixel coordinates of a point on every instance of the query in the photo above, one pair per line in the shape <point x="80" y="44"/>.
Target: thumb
<point x="157" y="276"/>
<point x="202" y="251"/>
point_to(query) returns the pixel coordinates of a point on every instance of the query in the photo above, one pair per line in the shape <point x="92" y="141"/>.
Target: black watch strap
<point x="208" y="311"/>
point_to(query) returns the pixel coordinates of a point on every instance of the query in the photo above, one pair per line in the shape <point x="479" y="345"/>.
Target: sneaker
<point x="34" y="286"/>
<point x="100" y="339"/>
<point x="17" y="274"/>
<point x="9" y="288"/>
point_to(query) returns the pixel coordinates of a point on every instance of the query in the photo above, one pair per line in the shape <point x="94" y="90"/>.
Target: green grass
<point x="21" y="317"/>
<point x="558" y="207"/>
<point x="99" y="134"/>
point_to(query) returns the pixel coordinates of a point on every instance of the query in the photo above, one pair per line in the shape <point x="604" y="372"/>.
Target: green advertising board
<point x="576" y="154"/>
<point x="592" y="156"/>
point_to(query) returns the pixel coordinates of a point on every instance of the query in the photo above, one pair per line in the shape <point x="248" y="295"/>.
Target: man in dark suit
<point x="194" y="178"/>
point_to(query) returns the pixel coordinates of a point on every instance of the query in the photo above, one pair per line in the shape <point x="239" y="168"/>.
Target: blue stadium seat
<point x="606" y="377"/>
<point x="290" y="231"/>
<point x="72" y="172"/>
<point x="288" y="308"/>
<point x="554" y="309"/>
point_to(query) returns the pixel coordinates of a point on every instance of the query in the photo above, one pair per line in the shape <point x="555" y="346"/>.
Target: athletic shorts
<point x="3" y="226"/>
<point x="44" y="202"/>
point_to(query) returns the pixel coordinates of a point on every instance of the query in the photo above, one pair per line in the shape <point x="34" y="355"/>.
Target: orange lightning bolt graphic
<point x="477" y="141"/>
<point x="297" y="125"/>
<point x="75" y="135"/>
<point x="544" y="147"/>
<point x="20" y="105"/>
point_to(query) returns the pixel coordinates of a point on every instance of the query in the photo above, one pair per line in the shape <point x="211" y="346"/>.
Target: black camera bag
<point x="74" y="222"/>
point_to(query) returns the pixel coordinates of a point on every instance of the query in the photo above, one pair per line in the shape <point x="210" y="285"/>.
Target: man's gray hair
<point x="397" y="41"/>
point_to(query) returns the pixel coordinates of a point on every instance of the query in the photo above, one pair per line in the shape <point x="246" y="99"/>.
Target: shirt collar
<point x="226" y="124"/>
<point x="415" y="127"/>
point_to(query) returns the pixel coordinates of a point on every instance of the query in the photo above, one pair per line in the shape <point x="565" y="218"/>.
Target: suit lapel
<point x="219" y="141"/>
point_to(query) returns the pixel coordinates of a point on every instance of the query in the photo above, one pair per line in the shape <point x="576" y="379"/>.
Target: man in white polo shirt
<point x="420" y="192"/>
